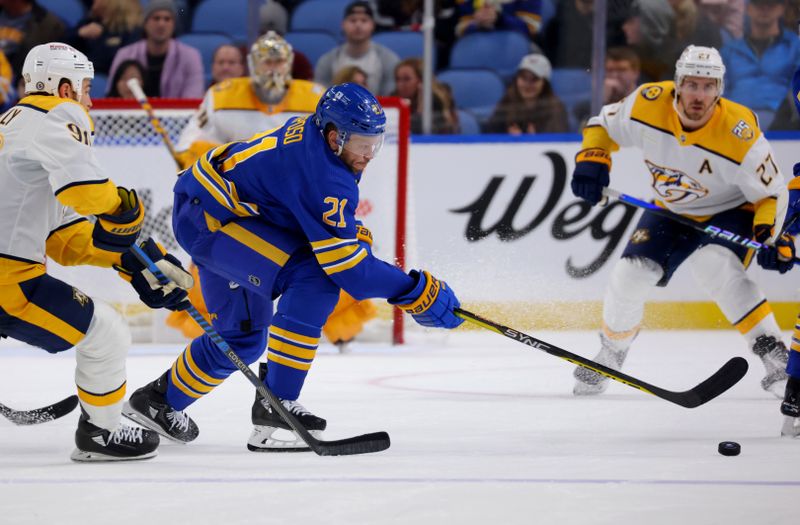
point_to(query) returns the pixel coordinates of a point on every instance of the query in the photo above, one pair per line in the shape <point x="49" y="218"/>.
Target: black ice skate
<point x="271" y="433"/>
<point x="791" y="409"/>
<point x="148" y="407"/>
<point x="774" y="355"/>
<point x="126" y="443"/>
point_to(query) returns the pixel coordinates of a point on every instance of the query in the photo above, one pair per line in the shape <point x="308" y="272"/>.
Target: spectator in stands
<point x="622" y="68"/>
<point x="567" y="38"/>
<point x="109" y="25"/>
<point x="352" y="74"/>
<point x="725" y="14"/>
<point x="408" y="79"/>
<point x="23" y="25"/>
<point x="529" y="104"/>
<point x="119" y="82"/>
<point x="359" y="50"/>
<point x="8" y="95"/>
<point x="227" y="62"/>
<point x="650" y="30"/>
<point x="524" y="16"/>
<point x="759" y="66"/>
<point x="172" y="68"/>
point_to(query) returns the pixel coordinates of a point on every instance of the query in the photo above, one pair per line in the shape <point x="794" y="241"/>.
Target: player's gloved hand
<point x="591" y="174"/>
<point x="118" y="231"/>
<point x="779" y="256"/>
<point x="152" y="293"/>
<point x="364" y="236"/>
<point x="792" y="220"/>
<point x="431" y="302"/>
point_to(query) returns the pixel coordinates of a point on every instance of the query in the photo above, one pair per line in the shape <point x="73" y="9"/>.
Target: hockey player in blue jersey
<point x="274" y="217"/>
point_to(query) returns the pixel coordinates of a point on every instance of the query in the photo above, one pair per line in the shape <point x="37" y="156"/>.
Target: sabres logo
<point x="652" y="93"/>
<point x="675" y="186"/>
<point x="743" y="130"/>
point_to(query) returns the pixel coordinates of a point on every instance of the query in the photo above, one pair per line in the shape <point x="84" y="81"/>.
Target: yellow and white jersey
<point x="231" y="111"/>
<point x="49" y="177"/>
<point x="718" y="167"/>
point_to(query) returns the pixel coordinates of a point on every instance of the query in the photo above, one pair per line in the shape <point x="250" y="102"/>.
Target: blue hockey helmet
<point x="357" y="116"/>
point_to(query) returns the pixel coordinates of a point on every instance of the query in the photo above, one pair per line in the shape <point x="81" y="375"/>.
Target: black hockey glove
<point x="591" y="174"/>
<point x="152" y="293"/>
<point x="118" y="231"/>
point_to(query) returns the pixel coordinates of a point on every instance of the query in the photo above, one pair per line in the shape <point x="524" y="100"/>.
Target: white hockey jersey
<point x="231" y="111"/>
<point x="720" y="166"/>
<point x="49" y="178"/>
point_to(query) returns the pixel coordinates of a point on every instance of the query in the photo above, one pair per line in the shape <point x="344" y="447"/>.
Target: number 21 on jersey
<point x="335" y="211"/>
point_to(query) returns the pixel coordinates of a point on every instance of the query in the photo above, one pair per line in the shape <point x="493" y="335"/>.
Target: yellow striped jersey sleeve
<point x="337" y="255"/>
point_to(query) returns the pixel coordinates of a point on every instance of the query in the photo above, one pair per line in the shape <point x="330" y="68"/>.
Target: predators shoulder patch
<point x="652" y="92"/>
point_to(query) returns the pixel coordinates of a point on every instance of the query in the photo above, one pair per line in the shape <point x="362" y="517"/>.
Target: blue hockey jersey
<point x="289" y="178"/>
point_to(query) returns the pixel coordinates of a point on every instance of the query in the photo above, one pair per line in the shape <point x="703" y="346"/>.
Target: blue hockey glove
<point x="792" y="220"/>
<point x="152" y="293"/>
<point x="431" y="302"/>
<point x="779" y="257"/>
<point x="591" y="174"/>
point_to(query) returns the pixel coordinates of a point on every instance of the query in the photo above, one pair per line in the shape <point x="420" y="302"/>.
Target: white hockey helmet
<point x="47" y="64"/>
<point x="270" y="62"/>
<point x="700" y="61"/>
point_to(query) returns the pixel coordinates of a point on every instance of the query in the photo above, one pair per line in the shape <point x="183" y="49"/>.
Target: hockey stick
<point x="724" y="378"/>
<point x="709" y="229"/>
<point x="363" y="444"/>
<point x="141" y="98"/>
<point x="40" y="415"/>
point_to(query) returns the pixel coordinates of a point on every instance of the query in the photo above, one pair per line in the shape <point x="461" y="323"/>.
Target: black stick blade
<point x="40" y="415"/>
<point x="724" y="378"/>
<point x="364" y="444"/>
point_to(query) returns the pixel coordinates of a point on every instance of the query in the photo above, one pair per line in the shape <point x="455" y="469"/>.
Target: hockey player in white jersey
<point x="238" y="108"/>
<point x="51" y="181"/>
<point x="707" y="160"/>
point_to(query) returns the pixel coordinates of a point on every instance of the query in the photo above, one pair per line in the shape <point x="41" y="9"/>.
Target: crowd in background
<point x="758" y="40"/>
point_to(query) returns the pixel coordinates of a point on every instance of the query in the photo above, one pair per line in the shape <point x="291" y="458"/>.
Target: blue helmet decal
<point x="352" y="109"/>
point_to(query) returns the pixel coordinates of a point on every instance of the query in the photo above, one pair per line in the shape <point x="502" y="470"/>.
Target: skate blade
<point x="263" y="440"/>
<point x="791" y="427"/>
<point x="129" y="412"/>
<point x="585" y="389"/>
<point x="776" y="388"/>
<point x="83" y="456"/>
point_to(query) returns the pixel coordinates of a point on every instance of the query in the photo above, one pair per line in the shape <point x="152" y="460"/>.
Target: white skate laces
<point x="295" y="407"/>
<point x="178" y="419"/>
<point x="126" y="433"/>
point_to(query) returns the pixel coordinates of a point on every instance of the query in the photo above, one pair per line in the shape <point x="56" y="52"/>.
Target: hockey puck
<point x="729" y="448"/>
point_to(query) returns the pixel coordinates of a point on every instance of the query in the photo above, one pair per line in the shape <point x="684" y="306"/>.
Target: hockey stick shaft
<point x="363" y="444"/>
<point x="141" y="98"/>
<point x="40" y="415"/>
<point x="731" y="238"/>
<point x="719" y="382"/>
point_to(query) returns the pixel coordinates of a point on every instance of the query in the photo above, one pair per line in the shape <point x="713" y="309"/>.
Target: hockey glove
<point x="364" y="237"/>
<point x="117" y="232"/>
<point x="152" y="293"/>
<point x="792" y="220"/>
<point x="431" y="302"/>
<point x="591" y="174"/>
<point x="779" y="257"/>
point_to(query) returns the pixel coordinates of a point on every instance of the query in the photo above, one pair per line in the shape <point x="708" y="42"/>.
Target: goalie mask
<point x="46" y="64"/>
<point x="700" y="61"/>
<point x="270" y="61"/>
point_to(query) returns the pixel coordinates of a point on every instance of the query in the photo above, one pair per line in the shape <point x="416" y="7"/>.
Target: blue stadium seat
<point x="313" y="44"/>
<point x="319" y="15"/>
<point x="206" y="43"/>
<point x="548" y="12"/>
<point x="500" y="51"/>
<point x="226" y="16"/>
<point x="407" y="44"/>
<point x="70" y="11"/>
<point x="477" y="90"/>
<point x="572" y="86"/>
<point x="468" y="123"/>
<point x="99" y="83"/>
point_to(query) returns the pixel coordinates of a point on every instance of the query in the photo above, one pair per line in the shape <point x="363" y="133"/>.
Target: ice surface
<point x="484" y="431"/>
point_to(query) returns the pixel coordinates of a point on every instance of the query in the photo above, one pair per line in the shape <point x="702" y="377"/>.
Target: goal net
<point x="132" y="155"/>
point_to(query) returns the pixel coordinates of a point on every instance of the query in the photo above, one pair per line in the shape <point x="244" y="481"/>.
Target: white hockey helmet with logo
<point x="700" y="61"/>
<point x="46" y="64"/>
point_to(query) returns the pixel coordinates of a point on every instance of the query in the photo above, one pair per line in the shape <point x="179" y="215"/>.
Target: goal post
<point x="132" y="154"/>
